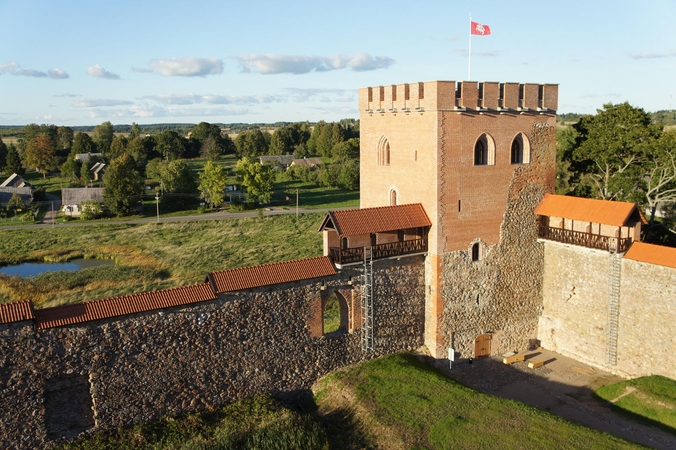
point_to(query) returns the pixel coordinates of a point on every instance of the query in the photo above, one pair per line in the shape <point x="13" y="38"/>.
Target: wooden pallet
<point x="514" y="358"/>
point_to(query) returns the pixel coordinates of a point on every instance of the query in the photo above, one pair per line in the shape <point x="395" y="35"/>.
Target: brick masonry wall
<point x="574" y="317"/>
<point x="501" y="293"/>
<point x="63" y="381"/>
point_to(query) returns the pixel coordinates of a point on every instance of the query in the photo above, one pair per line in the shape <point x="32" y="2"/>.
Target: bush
<point x="90" y="210"/>
<point x="29" y="216"/>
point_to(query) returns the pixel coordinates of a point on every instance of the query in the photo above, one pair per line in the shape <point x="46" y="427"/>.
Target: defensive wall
<point x="79" y="368"/>
<point x="574" y="320"/>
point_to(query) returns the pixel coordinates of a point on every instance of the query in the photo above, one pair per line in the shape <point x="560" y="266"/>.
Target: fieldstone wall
<point x="501" y="293"/>
<point x="59" y="382"/>
<point x="575" y="302"/>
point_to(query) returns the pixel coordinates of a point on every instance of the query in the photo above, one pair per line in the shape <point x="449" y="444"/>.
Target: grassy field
<point x="395" y="402"/>
<point x="399" y="402"/>
<point x="260" y="423"/>
<point x="150" y="256"/>
<point x="651" y="399"/>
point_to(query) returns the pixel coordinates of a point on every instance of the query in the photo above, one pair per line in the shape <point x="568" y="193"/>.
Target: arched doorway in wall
<point x="482" y="345"/>
<point x="334" y="314"/>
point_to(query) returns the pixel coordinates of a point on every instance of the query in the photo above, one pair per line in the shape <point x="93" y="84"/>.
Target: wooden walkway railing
<point x="353" y="255"/>
<point x="584" y="239"/>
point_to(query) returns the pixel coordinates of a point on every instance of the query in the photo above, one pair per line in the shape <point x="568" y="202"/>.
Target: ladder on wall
<point x="367" y="302"/>
<point x="613" y="309"/>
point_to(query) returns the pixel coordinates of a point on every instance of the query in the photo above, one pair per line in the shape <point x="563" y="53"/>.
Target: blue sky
<point x="85" y="62"/>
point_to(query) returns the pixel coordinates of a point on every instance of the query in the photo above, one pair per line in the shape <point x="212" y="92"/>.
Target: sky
<point x="75" y="62"/>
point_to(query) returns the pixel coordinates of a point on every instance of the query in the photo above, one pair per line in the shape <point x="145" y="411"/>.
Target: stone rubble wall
<point x="575" y="314"/>
<point x="102" y="374"/>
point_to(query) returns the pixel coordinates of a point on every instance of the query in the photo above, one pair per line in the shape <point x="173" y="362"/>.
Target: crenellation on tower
<point x="459" y="96"/>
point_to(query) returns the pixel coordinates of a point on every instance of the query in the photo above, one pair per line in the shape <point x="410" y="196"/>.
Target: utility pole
<point x="157" y="204"/>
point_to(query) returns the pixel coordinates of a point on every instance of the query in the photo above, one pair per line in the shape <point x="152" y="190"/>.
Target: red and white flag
<point x="481" y="30"/>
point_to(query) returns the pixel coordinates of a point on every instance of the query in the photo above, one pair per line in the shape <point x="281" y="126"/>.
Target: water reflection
<point x="34" y="269"/>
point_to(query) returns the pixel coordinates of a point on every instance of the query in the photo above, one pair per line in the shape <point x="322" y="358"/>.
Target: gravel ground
<point x="562" y="386"/>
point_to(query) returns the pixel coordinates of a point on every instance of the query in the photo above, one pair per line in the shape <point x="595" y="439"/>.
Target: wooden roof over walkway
<point x="606" y="212"/>
<point x="354" y="222"/>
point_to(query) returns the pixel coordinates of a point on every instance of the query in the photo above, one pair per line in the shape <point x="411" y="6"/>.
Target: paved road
<point x="50" y="216"/>
<point x="47" y="223"/>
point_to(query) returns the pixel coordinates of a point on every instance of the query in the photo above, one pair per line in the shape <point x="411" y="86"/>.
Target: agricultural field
<point x="149" y="256"/>
<point x="392" y="402"/>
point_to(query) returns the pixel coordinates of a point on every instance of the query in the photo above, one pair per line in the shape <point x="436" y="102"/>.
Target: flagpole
<point x="469" y="53"/>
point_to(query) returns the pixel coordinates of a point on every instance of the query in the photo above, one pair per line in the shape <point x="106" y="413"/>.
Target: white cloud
<point x="14" y="68"/>
<point x="303" y="95"/>
<point x="669" y="54"/>
<point x="95" y="103"/>
<point x="150" y="110"/>
<point x="67" y="95"/>
<point x="211" y="99"/>
<point x="186" y="67"/>
<point x="99" y="72"/>
<point x="275" y="64"/>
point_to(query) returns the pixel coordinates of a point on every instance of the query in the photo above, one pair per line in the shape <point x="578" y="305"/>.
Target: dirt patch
<point x="628" y="390"/>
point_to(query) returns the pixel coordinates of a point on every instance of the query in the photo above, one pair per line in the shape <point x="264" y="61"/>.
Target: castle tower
<point x="479" y="156"/>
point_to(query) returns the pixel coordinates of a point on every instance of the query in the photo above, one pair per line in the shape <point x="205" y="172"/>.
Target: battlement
<point x="477" y="96"/>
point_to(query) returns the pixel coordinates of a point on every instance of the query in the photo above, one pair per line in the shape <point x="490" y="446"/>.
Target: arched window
<point x="393" y="198"/>
<point x="484" y="151"/>
<point x="476" y="252"/>
<point x="520" y="150"/>
<point x="384" y="152"/>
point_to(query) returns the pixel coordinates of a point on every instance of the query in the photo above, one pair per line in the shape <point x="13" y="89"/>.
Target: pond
<point x="34" y="269"/>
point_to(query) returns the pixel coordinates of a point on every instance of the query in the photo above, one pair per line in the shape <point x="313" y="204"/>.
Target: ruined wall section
<point x="102" y="374"/>
<point x="574" y="319"/>
<point x="501" y="293"/>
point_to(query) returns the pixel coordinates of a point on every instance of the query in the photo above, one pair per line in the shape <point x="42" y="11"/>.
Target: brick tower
<point x="479" y="156"/>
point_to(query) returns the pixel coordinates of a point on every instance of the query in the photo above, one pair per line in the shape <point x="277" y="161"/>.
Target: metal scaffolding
<point x="367" y="302"/>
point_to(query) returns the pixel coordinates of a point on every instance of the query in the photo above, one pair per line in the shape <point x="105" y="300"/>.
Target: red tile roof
<point x="16" y="312"/>
<point x="589" y="210"/>
<point x="653" y="254"/>
<point x="118" y="306"/>
<point x="353" y="222"/>
<point x="275" y="273"/>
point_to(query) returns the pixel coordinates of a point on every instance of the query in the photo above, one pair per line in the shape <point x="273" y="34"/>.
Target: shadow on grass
<point x="633" y="416"/>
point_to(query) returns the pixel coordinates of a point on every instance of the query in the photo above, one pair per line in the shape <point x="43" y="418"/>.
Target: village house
<point x="72" y="198"/>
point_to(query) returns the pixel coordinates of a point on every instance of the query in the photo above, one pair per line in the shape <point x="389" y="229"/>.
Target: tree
<point x="211" y="148"/>
<point x="14" y="161"/>
<point x="41" y="154"/>
<point x="142" y="149"/>
<point x="83" y="143"/>
<point x="122" y="186"/>
<point x="169" y="144"/>
<point x="346" y="150"/>
<point x="16" y="203"/>
<point x="659" y="178"/>
<point x="71" y="168"/>
<point x="610" y="147"/>
<point x="174" y="176"/>
<point x="89" y="210"/>
<point x="251" y="143"/>
<point x="64" y="138"/>
<point x="314" y="137"/>
<point x="348" y="178"/>
<point x="213" y="181"/>
<point x="117" y="147"/>
<point x="282" y="141"/>
<point x="258" y="179"/>
<point x="103" y="137"/>
<point x="3" y="155"/>
<point x="135" y="131"/>
<point x="325" y="141"/>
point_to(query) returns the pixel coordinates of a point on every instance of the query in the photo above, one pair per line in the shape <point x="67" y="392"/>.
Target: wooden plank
<point x="536" y="363"/>
<point x="514" y="358"/>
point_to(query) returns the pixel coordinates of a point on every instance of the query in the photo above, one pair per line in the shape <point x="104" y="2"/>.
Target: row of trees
<point x="618" y="154"/>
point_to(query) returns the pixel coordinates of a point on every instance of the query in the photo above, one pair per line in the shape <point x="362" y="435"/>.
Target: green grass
<point x="404" y="400"/>
<point x="651" y="399"/>
<point x="312" y="196"/>
<point x="150" y="256"/>
<point x="259" y="423"/>
<point x="332" y="314"/>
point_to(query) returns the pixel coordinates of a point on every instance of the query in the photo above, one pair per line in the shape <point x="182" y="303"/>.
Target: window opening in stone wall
<point x="393" y="198"/>
<point x="501" y="97"/>
<point x="343" y="243"/>
<point x="517" y="151"/>
<point x="484" y="151"/>
<point x="335" y="314"/>
<point x="394" y="92"/>
<point x="407" y="95"/>
<point x="541" y="96"/>
<point x="415" y="155"/>
<point x="521" y="90"/>
<point x="476" y="252"/>
<point x="68" y="406"/>
<point x="382" y="92"/>
<point x="370" y="90"/>
<point x="520" y="153"/>
<point x="421" y="90"/>
<point x="480" y="99"/>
